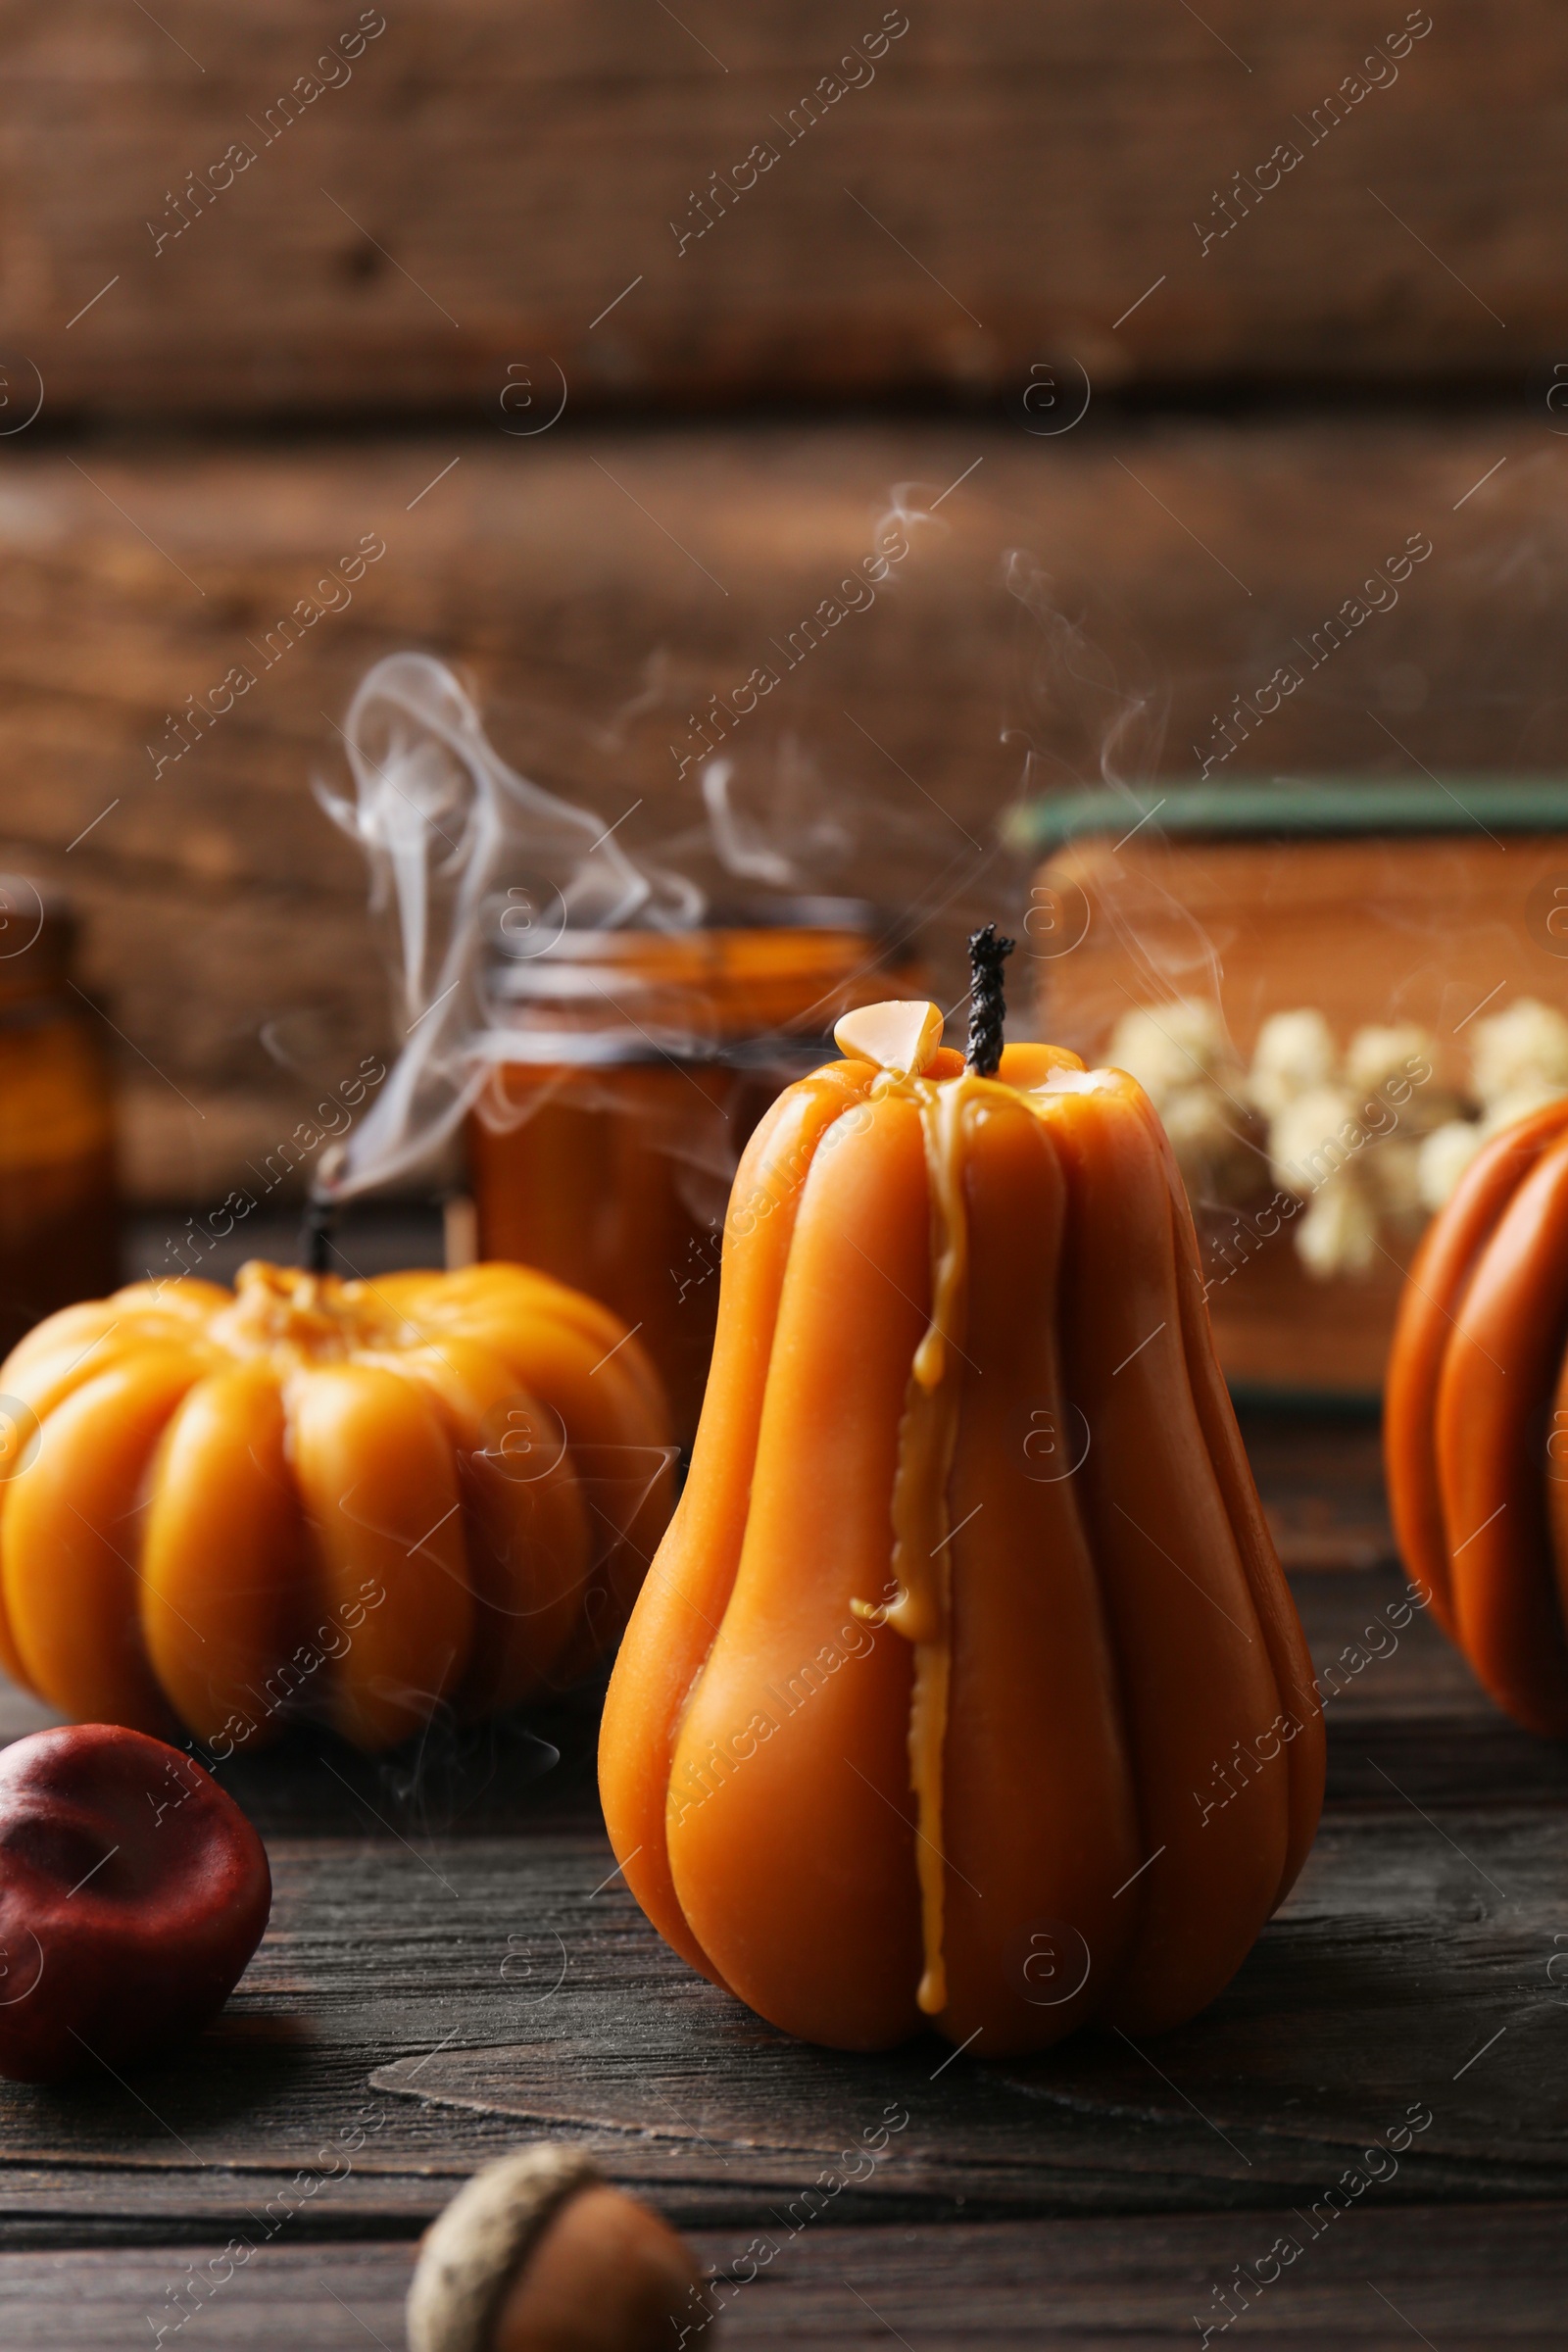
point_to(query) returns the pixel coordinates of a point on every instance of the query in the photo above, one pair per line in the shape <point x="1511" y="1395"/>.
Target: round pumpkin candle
<point x="365" y="1498"/>
<point x="927" y="1707"/>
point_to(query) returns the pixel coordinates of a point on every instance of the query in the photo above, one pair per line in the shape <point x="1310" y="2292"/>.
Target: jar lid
<point x="720" y="992"/>
<point x="801" y="912"/>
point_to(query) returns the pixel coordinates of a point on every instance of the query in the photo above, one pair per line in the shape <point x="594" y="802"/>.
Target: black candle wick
<point x="315" y="1234"/>
<point x="988" y="1003"/>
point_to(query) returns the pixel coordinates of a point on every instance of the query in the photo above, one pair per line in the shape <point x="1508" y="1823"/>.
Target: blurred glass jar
<point x="630" y="1068"/>
<point x="59" y="1206"/>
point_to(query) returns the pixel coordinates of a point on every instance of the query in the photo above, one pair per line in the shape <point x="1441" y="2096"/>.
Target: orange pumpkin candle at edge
<point x="968" y="1521"/>
<point x="1475" y="1415"/>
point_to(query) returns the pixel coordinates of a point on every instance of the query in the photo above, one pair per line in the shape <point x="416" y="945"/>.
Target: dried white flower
<point x="1294" y="1054"/>
<point x="1338" y="1233"/>
<point x="1531" y="1096"/>
<point x="1443" y="1158"/>
<point x="1524" y="1046"/>
<point x="1394" y="1177"/>
<point x="1385" y="1064"/>
<point x="1373" y="1136"/>
<point x="1170" y="1046"/>
<point x="1218" y="1161"/>
<point x="1312" y="1137"/>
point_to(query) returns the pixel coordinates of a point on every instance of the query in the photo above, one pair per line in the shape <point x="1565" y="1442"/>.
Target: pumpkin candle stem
<point x="988" y="1004"/>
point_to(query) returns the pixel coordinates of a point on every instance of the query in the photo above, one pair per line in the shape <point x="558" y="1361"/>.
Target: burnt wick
<point x="315" y="1234"/>
<point x="988" y="1002"/>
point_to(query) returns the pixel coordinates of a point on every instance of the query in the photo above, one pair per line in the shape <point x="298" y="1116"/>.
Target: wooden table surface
<point x="454" y="1967"/>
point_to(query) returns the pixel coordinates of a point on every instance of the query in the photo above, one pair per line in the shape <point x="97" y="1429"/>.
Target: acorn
<point x="537" y="2253"/>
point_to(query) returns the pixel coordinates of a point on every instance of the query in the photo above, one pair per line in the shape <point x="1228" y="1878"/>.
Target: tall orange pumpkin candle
<point x="965" y="1688"/>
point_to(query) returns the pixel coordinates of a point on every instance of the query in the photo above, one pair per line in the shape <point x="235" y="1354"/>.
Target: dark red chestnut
<point x="133" y="1892"/>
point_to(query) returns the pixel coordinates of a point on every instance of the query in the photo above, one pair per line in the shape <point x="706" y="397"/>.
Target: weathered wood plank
<point x="1321" y="1479"/>
<point x="1387" y="1971"/>
<point x="220" y="900"/>
<point x="323" y="2301"/>
<point x="1373" y="1669"/>
<point x="1140" y="2282"/>
<point x="1469" y="2279"/>
<point x="420" y="2001"/>
<point x="994" y="188"/>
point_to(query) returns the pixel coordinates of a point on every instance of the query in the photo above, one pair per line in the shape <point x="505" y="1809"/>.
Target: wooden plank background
<point x="478" y="183"/>
<point x="464" y="222"/>
<point x="569" y="574"/>
<point x="1481" y="2279"/>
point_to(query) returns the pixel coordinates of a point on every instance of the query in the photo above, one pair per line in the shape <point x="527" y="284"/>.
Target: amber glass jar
<point x="629" y="1069"/>
<point x="59" y="1216"/>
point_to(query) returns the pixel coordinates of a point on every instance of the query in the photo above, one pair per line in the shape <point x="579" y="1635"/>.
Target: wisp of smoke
<point x="447" y="829"/>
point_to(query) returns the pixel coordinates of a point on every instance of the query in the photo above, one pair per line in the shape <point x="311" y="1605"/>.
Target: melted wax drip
<point x="922" y="1551"/>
